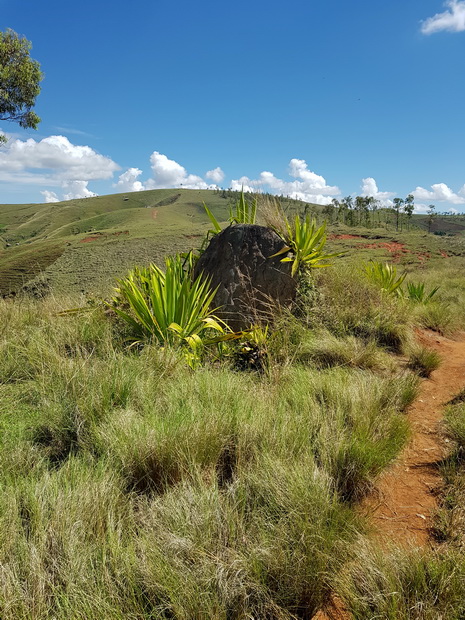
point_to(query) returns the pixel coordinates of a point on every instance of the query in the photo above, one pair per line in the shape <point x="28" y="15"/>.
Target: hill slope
<point x="83" y="244"/>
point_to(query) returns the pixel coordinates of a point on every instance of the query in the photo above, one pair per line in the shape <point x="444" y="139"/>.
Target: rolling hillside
<point x="81" y="246"/>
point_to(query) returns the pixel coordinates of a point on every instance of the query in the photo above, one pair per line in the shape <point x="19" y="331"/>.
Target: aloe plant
<point x="385" y="276"/>
<point x="305" y="241"/>
<point x="245" y="212"/>
<point x="417" y="293"/>
<point x="168" y="307"/>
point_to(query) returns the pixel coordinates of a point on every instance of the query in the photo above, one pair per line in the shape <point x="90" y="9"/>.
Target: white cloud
<point x="56" y="162"/>
<point x="168" y="173"/>
<point x="452" y="20"/>
<point x="63" y="160"/>
<point x="127" y="181"/>
<point x="246" y="184"/>
<point x="308" y="186"/>
<point x="370" y="188"/>
<point x="420" y="207"/>
<point x="50" y="196"/>
<point x="216" y="175"/>
<point x="440" y="192"/>
<point x="77" y="189"/>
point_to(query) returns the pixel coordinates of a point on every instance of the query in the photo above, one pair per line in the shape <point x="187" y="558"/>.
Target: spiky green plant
<point x="216" y="225"/>
<point x="245" y="212"/>
<point x="167" y="307"/>
<point x="305" y="241"/>
<point x="385" y="276"/>
<point x="417" y="293"/>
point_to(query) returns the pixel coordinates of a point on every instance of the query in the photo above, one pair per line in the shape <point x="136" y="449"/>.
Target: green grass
<point x="423" y="360"/>
<point x="140" y="227"/>
<point x="19" y="265"/>
<point x="402" y="585"/>
<point x="132" y="486"/>
<point x="424" y="584"/>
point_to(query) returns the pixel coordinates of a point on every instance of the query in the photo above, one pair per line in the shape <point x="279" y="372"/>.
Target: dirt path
<point x="402" y="506"/>
<point x="405" y="499"/>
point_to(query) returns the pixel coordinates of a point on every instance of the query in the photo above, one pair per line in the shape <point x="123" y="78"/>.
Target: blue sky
<point x="312" y="99"/>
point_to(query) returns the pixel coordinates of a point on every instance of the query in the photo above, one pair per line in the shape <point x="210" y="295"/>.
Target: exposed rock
<point x="251" y="284"/>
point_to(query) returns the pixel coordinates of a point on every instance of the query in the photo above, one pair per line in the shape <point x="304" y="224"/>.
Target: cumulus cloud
<point x="216" y="175"/>
<point x="50" y="196"/>
<point x="77" y="189"/>
<point x="56" y="162"/>
<point x="246" y="184"/>
<point x="452" y="20"/>
<point x="307" y="186"/>
<point x="127" y="182"/>
<point x="370" y="188"/>
<point x="440" y="192"/>
<point x="168" y="173"/>
<point x="63" y="160"/>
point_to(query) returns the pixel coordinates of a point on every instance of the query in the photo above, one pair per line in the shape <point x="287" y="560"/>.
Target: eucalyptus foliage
<point x="19" y="81"/>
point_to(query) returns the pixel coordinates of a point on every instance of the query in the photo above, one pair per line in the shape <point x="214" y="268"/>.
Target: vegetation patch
<point x="18" y="265"/>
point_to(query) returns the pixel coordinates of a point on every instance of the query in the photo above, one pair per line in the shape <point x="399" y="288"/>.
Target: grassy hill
<point x="82" y="245"/>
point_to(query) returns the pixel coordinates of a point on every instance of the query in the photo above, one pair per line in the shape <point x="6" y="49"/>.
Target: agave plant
<point x="385" y="276"/>
<point x="168" y="307"/>
<point x="305" y="241"/>
<point x="245" y="213"/>
<point x="417" y="293"/>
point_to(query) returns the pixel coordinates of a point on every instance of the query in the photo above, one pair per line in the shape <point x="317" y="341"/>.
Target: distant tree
<point x="19" y="81"/>
<point x="347" y="205"/>
<point x="374" y="205"/>
<point x="328" y="211"/>
<point x="409" y="208"/>
<point x="336" y="205"/>
<point x="398" y="202"/>
<point x="431" y="216"/>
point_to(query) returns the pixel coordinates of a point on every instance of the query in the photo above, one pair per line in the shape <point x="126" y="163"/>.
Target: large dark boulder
<point x="250" y="283"/>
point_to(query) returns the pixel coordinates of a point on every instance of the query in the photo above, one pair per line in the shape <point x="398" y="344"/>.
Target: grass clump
<point x="423" y="360"/>
<point x="401" y="585"/>
<point x="348" y="304"/>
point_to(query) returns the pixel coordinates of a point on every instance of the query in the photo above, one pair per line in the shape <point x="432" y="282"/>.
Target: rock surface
<point x="251" y="284"/>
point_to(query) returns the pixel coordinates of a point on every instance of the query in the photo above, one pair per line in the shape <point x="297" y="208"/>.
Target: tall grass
<point x="402" y="585"/>
<point x="132" y="486"/>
